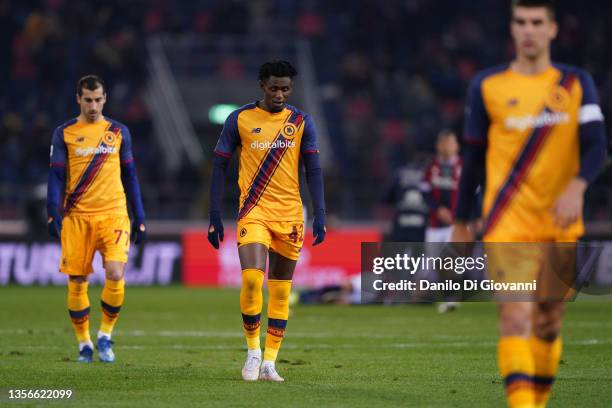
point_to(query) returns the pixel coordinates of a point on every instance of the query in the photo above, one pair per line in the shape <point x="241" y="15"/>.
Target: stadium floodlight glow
<point x="218" y="113"/>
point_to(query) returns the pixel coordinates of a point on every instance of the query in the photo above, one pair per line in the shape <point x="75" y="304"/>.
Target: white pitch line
<point x="589" y="324"/>
<point x="465" y="341"/>
<point x="415" y="345"/>
<point x="202" y="333"/>
<point x="285" y="346"/>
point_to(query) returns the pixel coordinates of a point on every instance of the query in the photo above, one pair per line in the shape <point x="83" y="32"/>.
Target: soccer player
<point x="406" y="197"/>
<point x="535" y="130"/>
<point x="271" y="137"/>
<point x="93" y="168"/>
<point x="441" y="184"/>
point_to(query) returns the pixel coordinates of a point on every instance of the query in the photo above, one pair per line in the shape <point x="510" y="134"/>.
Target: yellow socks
<point x="546" y="355"/>
<point x="112" y="299"/>
<point x="528" y="367"/>
<point x="78" y="308"/>
<point x="278" y="312"/>
<point x="251" y="302"/>
<point x="517" y="368"/>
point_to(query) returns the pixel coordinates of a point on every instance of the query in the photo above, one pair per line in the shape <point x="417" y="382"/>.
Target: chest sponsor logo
<point x="89" y="151"/>
<point x="277" y="144"/>
<point x="521" y="123"/>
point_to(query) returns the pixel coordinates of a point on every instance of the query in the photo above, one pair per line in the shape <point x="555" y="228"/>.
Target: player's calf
<point x="514" y="356"/>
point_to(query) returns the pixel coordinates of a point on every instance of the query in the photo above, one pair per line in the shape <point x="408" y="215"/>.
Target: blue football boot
<point x="85" y="355"/>
<point x="105" y="350"/>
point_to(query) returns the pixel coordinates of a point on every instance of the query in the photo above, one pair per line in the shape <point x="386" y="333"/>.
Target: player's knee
<point x="547" y="322"/>
<point x="514" y="322"/>
<point x="549" y="331"/>
<point x="280" y="292"/>
<point x="252" y="280"/>
<point x="114" y="273"/>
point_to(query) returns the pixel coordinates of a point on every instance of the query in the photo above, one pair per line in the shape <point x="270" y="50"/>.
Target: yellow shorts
<point x="551" y="265"/>
<point x="283" y="237"/>
<point x="82" y="235"/>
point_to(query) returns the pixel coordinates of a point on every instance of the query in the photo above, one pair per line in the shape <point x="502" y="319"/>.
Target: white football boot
<point x="268" y="372"/>
<point x="250" y="371"/>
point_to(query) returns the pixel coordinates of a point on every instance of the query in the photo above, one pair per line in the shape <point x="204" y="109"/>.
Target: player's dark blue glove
<point x="318" y="227"/>
<point x="139" y="232"/>
<point x="54" y="223"/>
<point x="215" y="229"/>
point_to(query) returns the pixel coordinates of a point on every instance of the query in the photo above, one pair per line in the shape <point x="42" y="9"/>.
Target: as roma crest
<point x="110" y="138"/>
<point x="558" y="99"/>
<point x="289" y="130"/>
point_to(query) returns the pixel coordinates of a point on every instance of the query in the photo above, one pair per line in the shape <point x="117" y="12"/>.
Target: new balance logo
<point x="80" y="139"/>
<point x="256" y="130"/>
<point x="512" y="102"/>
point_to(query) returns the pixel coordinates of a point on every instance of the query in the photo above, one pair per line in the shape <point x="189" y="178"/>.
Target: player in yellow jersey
<point x="93" y="169"/>
<point x="271" y="137"/>
<point x="534" y="132"/>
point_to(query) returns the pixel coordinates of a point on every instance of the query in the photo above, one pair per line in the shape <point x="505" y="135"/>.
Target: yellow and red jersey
<point x="269" y="146"/>
<point x="530" y="127"/>
<point x="92" y="154"/>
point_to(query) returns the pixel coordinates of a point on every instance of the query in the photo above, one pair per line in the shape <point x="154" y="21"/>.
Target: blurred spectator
<point x="441" y="185"/>
<point x="410" y="210"/>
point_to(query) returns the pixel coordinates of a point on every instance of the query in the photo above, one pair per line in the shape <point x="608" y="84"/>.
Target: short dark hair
<point x="446" y="132"/>
<point x="549" y="5"/>
<point x="276" y="68"/>
<point x="91" y="82"/>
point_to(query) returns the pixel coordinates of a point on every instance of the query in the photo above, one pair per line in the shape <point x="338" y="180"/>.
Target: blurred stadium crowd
<point x="391" y="75"/>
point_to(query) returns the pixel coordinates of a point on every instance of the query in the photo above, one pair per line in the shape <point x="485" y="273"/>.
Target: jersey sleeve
<point x="309" y="137"/>
<point x="125" y="152"/>
<point x="476" y="117"/>
<point x="593" y="140"/>
<point x="229" y="139"/>
<point x="59" y="152"/>
<point x="590" y="110"/>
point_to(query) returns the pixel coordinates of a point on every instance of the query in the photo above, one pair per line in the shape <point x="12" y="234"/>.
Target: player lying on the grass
<point x="271" y="136"/>
<point x="534" y="131"/>
<point x="93" y="168"/>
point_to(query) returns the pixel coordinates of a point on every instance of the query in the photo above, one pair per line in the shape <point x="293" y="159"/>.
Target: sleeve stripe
<point x="128" y="161"/>
<point x="58" y="164"/>
<point x="590" y="113"/>
<point x="223" y="154"/>
<point x="474" y="141"/>
<point x="310" y="151"/>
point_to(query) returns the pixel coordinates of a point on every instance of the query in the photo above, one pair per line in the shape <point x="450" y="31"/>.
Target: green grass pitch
<point x="184" y="347"/>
